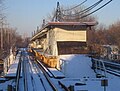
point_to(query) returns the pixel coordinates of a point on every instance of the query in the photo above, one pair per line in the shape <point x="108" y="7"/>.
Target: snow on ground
<point x="76" y="66"/>
<point x="78" y="72"/>
<point x="4" y="86"/>
<point x="34" y="74"/>
<point x="13" y="68"/>
<point x="77" y="69"/>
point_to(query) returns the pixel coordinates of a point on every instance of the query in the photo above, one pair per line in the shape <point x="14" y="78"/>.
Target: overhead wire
<point x="97" y="9"/>
<point x="92" y="11"/>
<point x="85" y="10"/>
<point x="75" y="6"/>
<point x="82" y="14"/>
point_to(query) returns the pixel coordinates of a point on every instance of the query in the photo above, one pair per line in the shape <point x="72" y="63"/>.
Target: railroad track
<point x="37" y="71"/>
<point x="18" y="74"/>
<point x="47" y="76"/>
<point x="36" y="78"/>
<point x="114" y="72"/>
<point x="110" y="67"/>
<point x="25" y="76"/>
<point x="35" y="74"/>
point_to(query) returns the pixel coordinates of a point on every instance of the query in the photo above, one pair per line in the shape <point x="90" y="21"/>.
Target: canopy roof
<point x="55" y="24"/>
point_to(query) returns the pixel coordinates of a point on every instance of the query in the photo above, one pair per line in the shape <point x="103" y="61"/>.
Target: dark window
<point x="72" y="47"/>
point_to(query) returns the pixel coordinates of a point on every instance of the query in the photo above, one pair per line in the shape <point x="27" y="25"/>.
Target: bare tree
<point x="9" y="38"/>
<point x="114" y="33"/>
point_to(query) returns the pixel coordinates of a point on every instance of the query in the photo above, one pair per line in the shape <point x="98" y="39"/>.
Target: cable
<point x="89" y="8"/>
<point x="91" y="12"/>
<point x="85" y="10"/>
<point x="97" y="9"/>
<point x="75" y="6"/>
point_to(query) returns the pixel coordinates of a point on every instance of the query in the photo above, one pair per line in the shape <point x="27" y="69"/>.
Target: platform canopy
<point x="59" y="24"/>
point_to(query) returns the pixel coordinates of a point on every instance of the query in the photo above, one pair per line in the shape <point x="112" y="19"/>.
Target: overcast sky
<point x="26" y="15"/>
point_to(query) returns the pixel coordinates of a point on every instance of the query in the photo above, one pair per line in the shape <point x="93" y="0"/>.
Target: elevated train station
<point x="59" y="57"/>
<point x="58" y="38"/>
<point x="56" y="60"/>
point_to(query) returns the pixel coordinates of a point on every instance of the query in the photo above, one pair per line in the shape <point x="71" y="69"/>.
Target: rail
<point x="112" y="68"/>
<point x="18" y="75"/>
<point x="63" y="86"/>
<point x="25" y="76"/>
<point x="32" y="65"/>
<point x="47" y="76"/>
<point x="109" y="67"/>
<point x="112" y="65"/>
<point x="114" y="72"/>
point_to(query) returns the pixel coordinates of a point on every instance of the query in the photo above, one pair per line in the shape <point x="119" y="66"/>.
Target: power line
<point x="60" y="16"/>
<point x="57" y="15"/>
<point x="85" y="10"/>
<point x="90" y="12"/>
<point x="75" y="6"/>
<point x="97" y="9"/>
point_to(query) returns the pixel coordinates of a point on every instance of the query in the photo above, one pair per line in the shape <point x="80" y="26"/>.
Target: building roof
<point x="71" y="23"/>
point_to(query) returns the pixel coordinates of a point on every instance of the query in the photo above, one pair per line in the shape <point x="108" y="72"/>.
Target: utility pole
<point x="8" y="37"/>
<point x="58" y="13"/>
<point x="43" y="24"/>
<point x="1" y="35"/>
<point x="2" y="29"/>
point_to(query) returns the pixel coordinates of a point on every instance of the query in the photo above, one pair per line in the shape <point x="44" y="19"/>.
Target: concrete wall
<point x="49" y="42"/>
<point x="58" y="34"/>
<point x="70" y="35"/>
<point x="52" y="44"/>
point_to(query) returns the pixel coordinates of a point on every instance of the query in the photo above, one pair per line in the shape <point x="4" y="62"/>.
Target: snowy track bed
<point x="34" y="78"/>
<point x="53" y="82"/>
<point x="77" y="74"/>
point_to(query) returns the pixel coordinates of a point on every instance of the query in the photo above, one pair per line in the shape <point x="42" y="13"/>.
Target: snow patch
<point x="76" y="66"/>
